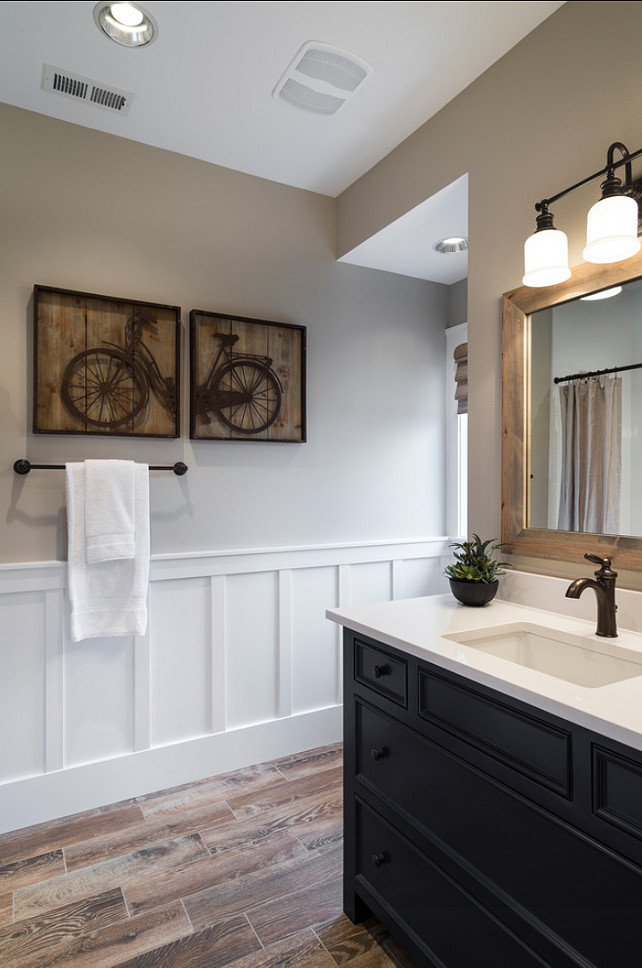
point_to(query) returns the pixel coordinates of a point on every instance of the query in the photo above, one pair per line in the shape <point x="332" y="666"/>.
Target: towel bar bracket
<point x="23" y="466"/>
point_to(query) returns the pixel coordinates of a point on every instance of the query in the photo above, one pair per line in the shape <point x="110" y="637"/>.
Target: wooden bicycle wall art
<point x="104" y="365"/>
<point x="247" y="379"/>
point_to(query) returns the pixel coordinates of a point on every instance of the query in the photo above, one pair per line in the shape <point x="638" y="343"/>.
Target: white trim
<point x="186" y="670"/>
<point x="455" y="500"/>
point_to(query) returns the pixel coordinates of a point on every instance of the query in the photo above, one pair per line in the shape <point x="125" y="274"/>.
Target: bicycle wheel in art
<point x="103" y="388"/>
<point x="257" y="393"/>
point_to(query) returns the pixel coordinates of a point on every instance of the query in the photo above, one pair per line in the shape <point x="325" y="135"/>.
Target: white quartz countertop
<point x="418" y="626"/>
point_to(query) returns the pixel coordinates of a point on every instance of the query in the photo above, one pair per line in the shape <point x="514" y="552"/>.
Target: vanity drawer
<point x="535" y="748"/>
<point x="454" y="929"/>
<point x="385" y="673"/>
<point x="519" y="851"/>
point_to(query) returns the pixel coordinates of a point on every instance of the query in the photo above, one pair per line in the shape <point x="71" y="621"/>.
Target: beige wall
<point x="87" y="211"/>
<point x="537" y="121"/>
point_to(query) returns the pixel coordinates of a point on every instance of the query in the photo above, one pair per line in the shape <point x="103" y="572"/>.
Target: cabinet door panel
<point x="579" y="893"/>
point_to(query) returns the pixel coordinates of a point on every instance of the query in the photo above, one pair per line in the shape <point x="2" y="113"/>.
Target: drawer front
<point x="533" y="747"/>
<point x="579" y="893"/>
<point x="386" y="674"/>
<point x="454" y="929"/>
<point x="617" y="790"/>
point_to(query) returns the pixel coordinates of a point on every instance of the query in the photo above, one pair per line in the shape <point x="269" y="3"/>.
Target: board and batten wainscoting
<point x="238" y="666"/>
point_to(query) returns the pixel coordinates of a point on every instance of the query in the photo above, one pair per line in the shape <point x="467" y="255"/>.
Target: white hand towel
<point x="109" y="509"/>
<point x="107" y="597"/>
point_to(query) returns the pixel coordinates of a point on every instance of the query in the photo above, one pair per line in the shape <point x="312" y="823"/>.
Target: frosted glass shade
<point x="546" y="258"/>
<point x="612" y="230"/>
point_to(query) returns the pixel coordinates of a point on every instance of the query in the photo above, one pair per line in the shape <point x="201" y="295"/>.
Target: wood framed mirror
<point x="518" y="429"/>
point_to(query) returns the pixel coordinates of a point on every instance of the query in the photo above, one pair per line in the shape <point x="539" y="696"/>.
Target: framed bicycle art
<point x="104" y="365"/>
<point x="247" y="379"/>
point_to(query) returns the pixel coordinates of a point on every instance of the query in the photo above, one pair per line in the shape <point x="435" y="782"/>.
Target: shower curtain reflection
<point x="591" y="412"/>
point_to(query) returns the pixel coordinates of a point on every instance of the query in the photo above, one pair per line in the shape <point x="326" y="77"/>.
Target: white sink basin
<point x="582" y="660"/>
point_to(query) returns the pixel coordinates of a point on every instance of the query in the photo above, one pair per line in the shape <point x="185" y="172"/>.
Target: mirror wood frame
<point x="517" y="307"/>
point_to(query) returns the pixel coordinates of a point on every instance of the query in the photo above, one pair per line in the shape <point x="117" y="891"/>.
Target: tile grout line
<point x="189" y="920"/>
<point x="254" y="930"/>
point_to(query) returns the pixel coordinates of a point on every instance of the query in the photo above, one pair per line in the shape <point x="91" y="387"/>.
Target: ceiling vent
<point x="85" y="89"/>
<point x="321" y="79"/>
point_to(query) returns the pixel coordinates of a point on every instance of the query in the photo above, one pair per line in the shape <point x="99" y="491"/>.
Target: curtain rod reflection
<point x="589" y="373"/>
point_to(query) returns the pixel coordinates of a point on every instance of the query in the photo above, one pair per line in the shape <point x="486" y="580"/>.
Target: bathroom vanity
<point x="493" y="784"/>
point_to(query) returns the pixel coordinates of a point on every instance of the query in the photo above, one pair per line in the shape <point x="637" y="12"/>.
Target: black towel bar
<point x="23" y="466"/>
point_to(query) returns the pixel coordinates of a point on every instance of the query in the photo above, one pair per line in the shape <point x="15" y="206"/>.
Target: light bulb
<point x="127" y="14"/>
<point x="546" y="258"/>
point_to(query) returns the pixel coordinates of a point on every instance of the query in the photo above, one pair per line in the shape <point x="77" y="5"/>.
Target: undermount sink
<point x="574" y="658"/>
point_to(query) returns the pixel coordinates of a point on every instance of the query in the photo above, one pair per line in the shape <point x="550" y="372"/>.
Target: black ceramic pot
<point x="473" y="592"/>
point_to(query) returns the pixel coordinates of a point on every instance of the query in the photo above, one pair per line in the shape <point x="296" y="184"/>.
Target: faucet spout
<point x="604" y="587"/>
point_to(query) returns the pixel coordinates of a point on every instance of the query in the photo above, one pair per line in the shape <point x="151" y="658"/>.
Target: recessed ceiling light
<point x="602" y="294"/>
<point x="455" y="243"/>
<point x="128" y="24"/>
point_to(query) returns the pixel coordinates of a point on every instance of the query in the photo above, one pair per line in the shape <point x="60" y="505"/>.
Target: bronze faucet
<point x="604" y="587"/>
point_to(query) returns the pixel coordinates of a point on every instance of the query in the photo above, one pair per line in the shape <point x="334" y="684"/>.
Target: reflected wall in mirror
<point x="572" y="451"/>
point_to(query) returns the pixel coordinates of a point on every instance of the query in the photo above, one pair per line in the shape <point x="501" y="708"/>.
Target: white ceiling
<point x="203" y="87"/>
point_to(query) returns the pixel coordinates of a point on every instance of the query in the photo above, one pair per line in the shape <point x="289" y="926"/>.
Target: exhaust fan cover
<point x="321" y="78"/>
<point x="85" y="89"/>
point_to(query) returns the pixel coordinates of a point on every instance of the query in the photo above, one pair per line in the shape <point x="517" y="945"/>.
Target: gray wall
<point x="87" y="211"/>
<point x="537" y="121"/>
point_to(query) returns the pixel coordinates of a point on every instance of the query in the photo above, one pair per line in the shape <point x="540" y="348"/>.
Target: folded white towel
<point x="107" y="597"/>
<point x="109" y="509"/>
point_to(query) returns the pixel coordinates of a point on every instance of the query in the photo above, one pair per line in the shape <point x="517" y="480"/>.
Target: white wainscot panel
<point x="315" y="644"/>
<point x="419" y="577"/>
<point x="370" y="582"/>
<point x="252" y="672"/>
<point x="22" y="685"/>
<point x="180" y="660"/>
<point x="99" y="699"/>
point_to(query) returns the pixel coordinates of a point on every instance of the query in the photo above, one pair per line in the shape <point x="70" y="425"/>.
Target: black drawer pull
<point x="380" y="670"/>
<point x="378" y="860"/>
<point x="377" y="754"/>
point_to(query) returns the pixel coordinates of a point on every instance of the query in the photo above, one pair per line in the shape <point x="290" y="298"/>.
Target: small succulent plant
<point x="473" y="562"/>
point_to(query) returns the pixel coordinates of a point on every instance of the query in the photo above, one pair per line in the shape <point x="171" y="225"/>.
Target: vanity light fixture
<point x="602" y="294"/>
<point x="455" y="243"/>
<point x="612" y="225"/>
<point x="127" y="24"/>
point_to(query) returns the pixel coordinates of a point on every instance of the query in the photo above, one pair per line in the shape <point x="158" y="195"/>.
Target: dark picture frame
<point x="105" y="365"/>
<point x="247" y="379"/>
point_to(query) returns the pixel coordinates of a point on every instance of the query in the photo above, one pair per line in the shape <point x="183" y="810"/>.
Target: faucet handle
<point x="605" y="566"/>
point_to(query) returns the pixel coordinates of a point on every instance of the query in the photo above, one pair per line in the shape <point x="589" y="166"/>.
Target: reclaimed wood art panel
<point x="247" y="379"/>
<point x="104" y="365"/>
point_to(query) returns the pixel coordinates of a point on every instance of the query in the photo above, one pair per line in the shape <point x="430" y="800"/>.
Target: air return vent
<point x="321" y="79"/>
<point x="85" y="89"/>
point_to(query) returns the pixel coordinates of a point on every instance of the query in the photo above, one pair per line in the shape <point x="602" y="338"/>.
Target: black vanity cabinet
<point x="482" y="831"/>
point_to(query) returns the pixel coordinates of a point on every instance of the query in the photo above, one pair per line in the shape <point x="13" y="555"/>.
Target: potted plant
<point x="475" y="572"/>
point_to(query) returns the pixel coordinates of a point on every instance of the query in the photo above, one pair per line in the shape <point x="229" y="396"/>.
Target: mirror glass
<point x="552" y="333"/>
<point x="586" y="425"/>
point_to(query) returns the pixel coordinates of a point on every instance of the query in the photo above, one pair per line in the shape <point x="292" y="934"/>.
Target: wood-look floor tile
<point x="110" y="946"/>
<point x="57" y="891"/>
<point x="44" y="837"/>
<point x="313" y="815"/>
<point x="30" y="871"/>
<point x="209" y="791"/>
<point x="302" y="951"/>
<point x="244" y="893"/>
<point x="347" y="941"/>
<point x="278" y="796"/>
<point x="311" y="762"/>
<point x="6" y="909"/>
<point x="315" y="904"/>
<point x="30" y="938"/>
<point x="149" y="891"/>
<point x="98" y="849"/>
<point x="220" y="944"/>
